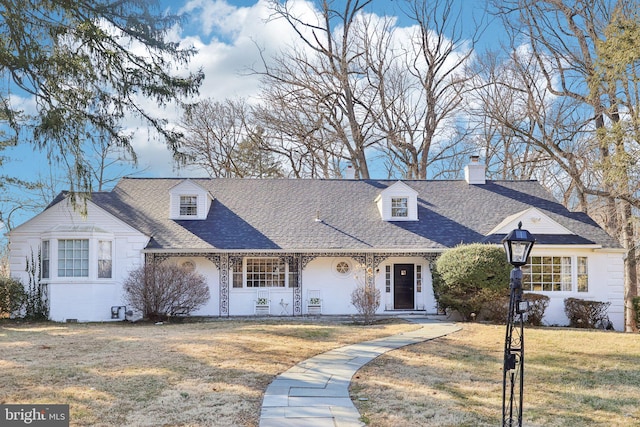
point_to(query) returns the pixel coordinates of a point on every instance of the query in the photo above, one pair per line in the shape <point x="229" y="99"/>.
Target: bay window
<point x="73" y="258"/>
<point x="76" y="257"/>
<point x="265" y="273"/>
<point x="104" y="259"/>
<point x="44" y="260"/>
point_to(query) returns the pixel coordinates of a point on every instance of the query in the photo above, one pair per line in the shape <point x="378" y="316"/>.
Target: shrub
<point x="495" y="309"/>
<point x="636" y="310"/>
<point x="587" y="314"/>
<point x="537" y="306"/>
<point x="163" y="290"/>
<point x="12" y="296"/>
<point x="468" y="276"/>
<point x="366" y="299"/>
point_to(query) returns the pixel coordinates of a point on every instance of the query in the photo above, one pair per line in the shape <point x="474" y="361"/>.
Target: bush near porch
<point x="468" y="276"/>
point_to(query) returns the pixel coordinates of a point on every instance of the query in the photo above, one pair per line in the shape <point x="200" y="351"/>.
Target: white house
<point x="302" y="241"/>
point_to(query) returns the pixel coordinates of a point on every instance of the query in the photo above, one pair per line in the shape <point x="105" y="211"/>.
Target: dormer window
<point x="398" y="202"/>
<point x="189" y="201"/>
<point x="188" y="205"/>
<point x="399" y="207"/>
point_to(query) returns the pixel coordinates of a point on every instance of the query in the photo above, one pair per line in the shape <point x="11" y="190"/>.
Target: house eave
<point x="293" y="250"/>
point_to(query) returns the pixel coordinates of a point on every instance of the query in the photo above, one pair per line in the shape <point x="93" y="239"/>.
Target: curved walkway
<point x="315" y="392"/>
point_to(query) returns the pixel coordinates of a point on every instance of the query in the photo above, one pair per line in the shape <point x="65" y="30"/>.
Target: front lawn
<point x="215" y="373"/>
<point x="572" y="378"/>
<point x="191" y="374"/>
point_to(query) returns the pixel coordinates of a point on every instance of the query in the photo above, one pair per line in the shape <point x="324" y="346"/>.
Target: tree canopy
<point x="87" y="66"/>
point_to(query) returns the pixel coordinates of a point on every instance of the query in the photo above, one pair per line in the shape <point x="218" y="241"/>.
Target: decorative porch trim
<point x="224" y="285"/>
<point x="297" y="290"/>
<point x="297" y="263"/>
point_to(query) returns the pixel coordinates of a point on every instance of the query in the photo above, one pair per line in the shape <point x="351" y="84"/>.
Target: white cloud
<point x="228" y="40"/>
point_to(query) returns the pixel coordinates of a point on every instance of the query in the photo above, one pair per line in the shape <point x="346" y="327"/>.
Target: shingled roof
<point x="281" y="215"/>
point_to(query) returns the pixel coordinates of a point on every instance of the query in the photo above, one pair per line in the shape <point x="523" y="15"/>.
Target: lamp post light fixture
<point x="517" y="245"/>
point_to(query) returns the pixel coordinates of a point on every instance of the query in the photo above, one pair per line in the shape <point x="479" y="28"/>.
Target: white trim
<point x="530" y="218"/>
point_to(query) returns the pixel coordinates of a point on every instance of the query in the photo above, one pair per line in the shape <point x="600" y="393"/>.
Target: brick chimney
<point x="474" y="172"/>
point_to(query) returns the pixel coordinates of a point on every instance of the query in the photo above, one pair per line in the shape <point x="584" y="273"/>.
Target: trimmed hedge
<point x="537" y="306"/>
<point x="468" y="276"/>
<point x="587" y="314"/>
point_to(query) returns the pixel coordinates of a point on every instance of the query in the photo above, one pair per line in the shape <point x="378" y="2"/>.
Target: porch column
<point x="297" y="290"/>
<point x="224" y="285"/>
<point x="370" y="276"/>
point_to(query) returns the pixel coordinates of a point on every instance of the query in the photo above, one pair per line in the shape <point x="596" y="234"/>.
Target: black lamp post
<point x="517" y="245"/>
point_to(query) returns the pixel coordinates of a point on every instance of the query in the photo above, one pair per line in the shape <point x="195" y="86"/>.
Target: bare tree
<point x="109" y="162"/>
<point x="422" y="86"/>
<point x="563" y="36"/>
<point x="356" y="88"/>
<point x="324" y="71"/>
<point x="218" y="139"/>
<point x="162" y="290"/>
<point x="295" y="132"/>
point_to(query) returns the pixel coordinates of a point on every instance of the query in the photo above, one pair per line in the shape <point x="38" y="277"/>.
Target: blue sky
<point x="226" y="34"/>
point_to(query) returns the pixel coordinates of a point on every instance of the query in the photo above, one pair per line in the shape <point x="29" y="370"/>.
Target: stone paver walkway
<point x="315" y="392"/>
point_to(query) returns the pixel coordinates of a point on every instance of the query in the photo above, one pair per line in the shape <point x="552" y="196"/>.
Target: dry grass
<point x="191" y="374"/>
<point x="215" y="373"/>
<point x="572" y="378"/>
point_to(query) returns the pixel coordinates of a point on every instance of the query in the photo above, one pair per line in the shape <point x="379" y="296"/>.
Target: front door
<point x="403" y="284"/>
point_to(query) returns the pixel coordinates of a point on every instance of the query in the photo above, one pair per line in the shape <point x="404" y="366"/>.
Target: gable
<point x="62" y="215"/>
<point x="533" y="220"/>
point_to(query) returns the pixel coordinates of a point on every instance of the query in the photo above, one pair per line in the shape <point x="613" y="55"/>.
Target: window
<point x="188" y="266"/>
<point x="293" y="277"/>
<point x="399" y="207"/>
<point x="236" y="272"/>
<point x="387" y="278"/>
<point x="583" y="279"/>
<point x="44" y="260"/>
<point x="343" y="267"/>
<point x="265" y="272"/>
<point x="418" y="278"/>
<point x="548" y="273"/>
<point x="73" y="258"/>
<point x="188" y="205"/>
<point x="104" y="259"/>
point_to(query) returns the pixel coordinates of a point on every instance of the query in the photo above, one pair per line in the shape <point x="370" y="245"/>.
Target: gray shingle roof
<point x="279" y="214"/>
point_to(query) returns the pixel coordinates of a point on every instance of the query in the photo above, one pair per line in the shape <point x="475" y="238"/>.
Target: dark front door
<point x="403" y="298"/>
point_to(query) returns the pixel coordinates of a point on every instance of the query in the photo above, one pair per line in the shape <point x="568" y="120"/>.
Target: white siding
<point x="81" y="298"/>
<point x="606" y="284"/>
<point x="212" y="276"/>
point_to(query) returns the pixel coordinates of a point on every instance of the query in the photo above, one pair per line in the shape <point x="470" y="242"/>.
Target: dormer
<point x="189" y="201"/>
<point x="398" y="202"/>
<point x="533" y="220"/>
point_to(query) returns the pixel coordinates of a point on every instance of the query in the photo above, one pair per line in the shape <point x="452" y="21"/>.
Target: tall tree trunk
<point x="630" y="266"/>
